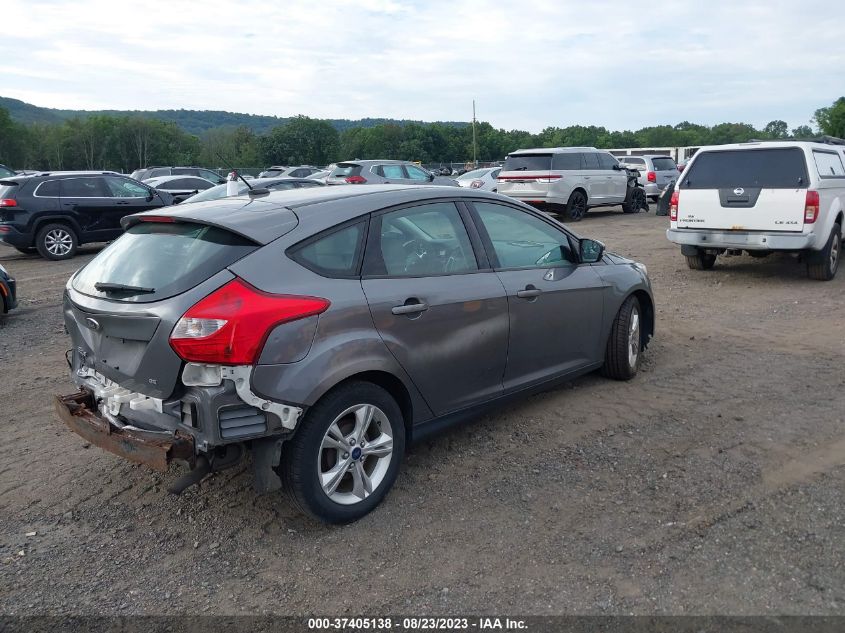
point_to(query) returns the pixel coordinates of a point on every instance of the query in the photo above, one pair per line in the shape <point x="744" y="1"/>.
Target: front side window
<point x="521" y="240"/>
<point x="829" y="164"/>
<point x="335" y="254"/>
<point x="607" y="161"/>
<point x="415" y="173"/>
<point x="85" y="188"/>
<point x="426" y="240"/>
<point x="122" y="188"/>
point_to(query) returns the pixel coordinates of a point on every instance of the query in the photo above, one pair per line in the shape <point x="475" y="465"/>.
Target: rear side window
<point x="84" y="188"/>
<point x="776" y="168"/>
<point x="48" y="189"/>
<point x="335" y="254"/>
<point x="829" y="164"/>
<point x="528" y="162"/>
<point x="166" y="258"/>
<point x="567" y="161"/>
<point x="664" y="164"/>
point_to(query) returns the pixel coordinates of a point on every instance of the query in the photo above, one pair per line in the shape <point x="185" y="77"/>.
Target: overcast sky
<point x="623" y="65"/>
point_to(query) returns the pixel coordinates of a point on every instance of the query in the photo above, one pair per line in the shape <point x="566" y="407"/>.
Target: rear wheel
<point x="622" y="356"/>
<point x="576" y="207"/>
<point x="824" y="264"/>
<point x="701" y="261"/>
<point x="344" y="458"/>
<point x="56" y="241"/>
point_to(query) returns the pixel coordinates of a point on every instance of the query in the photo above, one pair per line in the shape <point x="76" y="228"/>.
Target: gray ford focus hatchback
<point x="323" y="330"/>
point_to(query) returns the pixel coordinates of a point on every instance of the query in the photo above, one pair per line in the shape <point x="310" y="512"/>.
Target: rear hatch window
<point x="664" y="164"/>
<point x="153" y="261"/>
<point x="776" y="168"/>
<point x="528" y="162"/>
<point x="345" y="169"/>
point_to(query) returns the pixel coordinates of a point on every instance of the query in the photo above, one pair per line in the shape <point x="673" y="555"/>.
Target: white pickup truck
<point x="762" y="197"/>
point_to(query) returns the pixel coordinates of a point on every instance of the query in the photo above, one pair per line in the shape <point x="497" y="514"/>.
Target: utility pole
<point x="474" y="141"/>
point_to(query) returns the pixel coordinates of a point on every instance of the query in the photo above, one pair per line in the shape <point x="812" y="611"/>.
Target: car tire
<point x="325" y="470"/>
<point x="702" y="261"/>
<point x="624" y="345"/>
<point x="822" y="265"/>
<point x="56" y="242"/>
<point x="635" y="200"/>
<point x="576" y="207"/>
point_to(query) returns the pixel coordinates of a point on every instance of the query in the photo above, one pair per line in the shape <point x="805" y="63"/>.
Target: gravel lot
<point x="713" y="483"/>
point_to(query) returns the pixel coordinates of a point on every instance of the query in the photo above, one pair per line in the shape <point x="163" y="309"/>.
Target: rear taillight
<point x="355" y="180"/>
<point x="8" y="202"/>
<point x="651" y="176"/>
<point x="673" y="206"/>
<point x="475" y="184"/>
<point x="229" y="326"/>
<point x="811" y="207"/>
<point x="548" y="179"/>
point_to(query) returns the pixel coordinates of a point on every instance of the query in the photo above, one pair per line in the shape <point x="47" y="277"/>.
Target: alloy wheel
<point x="355" y="454"/>
<point x="634" y="338"/>
<point x="58" y="242"/>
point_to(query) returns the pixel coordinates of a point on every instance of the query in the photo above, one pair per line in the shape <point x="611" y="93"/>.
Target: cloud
<point x="528" y="65"/>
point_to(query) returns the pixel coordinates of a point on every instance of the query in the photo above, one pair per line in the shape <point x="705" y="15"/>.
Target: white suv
<point x="568" y="179"/>
<point x="760" y="198"/>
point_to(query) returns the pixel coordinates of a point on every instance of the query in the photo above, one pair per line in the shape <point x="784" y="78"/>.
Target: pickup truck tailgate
<point x="742" y="209"/>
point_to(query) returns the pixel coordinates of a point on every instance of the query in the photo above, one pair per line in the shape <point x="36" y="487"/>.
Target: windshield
<point x="528" y="162"/>
<point x="5" y="172"/>
<point x="780" y="168"/>
<point x="165" y="258"/>
<point x="214" y="193"/>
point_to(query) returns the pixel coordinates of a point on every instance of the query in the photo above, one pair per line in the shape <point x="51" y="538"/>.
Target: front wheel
<point x="344" y="458"/>
<point x="824" y="264"/>
<point x="635" y="200"/>
<point x="622" y="356"/>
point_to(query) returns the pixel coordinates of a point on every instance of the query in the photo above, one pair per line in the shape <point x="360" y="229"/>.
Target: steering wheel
<point x="455" y="256"/>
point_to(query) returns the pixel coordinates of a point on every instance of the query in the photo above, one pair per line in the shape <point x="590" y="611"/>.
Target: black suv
<point x="54" y="212"/>
<point x="155" y="172"/>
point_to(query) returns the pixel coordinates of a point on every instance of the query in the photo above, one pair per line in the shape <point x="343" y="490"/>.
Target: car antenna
<point x="253" y="191"/>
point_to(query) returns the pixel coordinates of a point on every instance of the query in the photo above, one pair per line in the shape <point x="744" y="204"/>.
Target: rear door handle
<point x="529" y="293"/>
<point x="411" y="306"/>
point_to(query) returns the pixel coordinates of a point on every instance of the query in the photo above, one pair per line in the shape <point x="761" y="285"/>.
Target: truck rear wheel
<point x="701" y="261"/>
<point x="822" y="265"/>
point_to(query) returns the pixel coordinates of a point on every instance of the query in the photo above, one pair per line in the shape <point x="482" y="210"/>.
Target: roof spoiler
<point x="827" y="140"/>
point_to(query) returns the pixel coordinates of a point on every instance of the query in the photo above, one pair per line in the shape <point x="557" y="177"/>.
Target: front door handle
<point x="529" y="293"/>
<point x="411" y="306"/>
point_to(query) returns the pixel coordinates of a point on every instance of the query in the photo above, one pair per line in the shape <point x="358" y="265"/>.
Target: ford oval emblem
<point x="739" y="191"/>
<point x="92" y="324"/>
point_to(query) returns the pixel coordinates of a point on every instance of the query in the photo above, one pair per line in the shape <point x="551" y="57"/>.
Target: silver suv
<point x="566" y="180"/>
<point x="656" y="172"/>
<point x="384" y="172"/>
<point x="323" y="330"/>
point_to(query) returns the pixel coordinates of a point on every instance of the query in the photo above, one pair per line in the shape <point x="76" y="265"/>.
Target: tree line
<point x="126" y="142"/>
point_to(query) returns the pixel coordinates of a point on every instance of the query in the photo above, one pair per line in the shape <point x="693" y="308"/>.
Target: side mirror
<point x="617" y="167"/>
<point x="590" y="251"/>
<point x="431" y="178"/>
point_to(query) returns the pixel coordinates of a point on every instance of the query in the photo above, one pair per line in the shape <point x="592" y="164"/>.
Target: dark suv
<point x="55" y="212"/>
<point x="155" y="172"/>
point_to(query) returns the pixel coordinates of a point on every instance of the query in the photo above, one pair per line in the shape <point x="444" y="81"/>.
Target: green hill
<point x="191" y="121"/>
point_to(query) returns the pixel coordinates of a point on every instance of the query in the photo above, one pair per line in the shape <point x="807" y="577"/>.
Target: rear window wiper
<point x="103" y="286"/>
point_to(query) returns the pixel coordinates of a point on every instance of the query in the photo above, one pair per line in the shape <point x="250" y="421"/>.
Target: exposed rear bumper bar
<point x="155" y="450"/>
<point x="742" y="240"/>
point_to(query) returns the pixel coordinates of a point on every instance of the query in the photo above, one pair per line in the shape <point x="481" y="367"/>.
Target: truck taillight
<point x="355" y="180"/>
<point x="811" y="207"/>
<point x="673" y="206"/>
<point x="229" y="326"/>
<point x="651" y="176"/>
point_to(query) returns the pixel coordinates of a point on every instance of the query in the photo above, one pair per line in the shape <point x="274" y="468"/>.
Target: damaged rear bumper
<point x="155" y="449"/>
